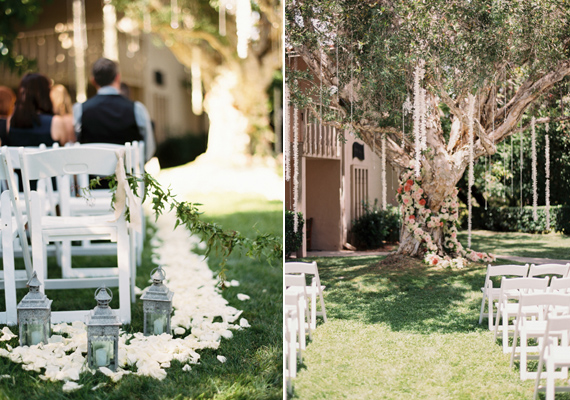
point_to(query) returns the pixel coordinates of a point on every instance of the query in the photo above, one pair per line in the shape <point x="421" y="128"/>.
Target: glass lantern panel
<point x="155" y="323"/>
<point x="103" y="353"/>
<point x="33" y="333"/>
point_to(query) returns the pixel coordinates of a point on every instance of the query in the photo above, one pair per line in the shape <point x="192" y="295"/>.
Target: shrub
<point x="376" y="226"/>
<point x="293" y="240"/>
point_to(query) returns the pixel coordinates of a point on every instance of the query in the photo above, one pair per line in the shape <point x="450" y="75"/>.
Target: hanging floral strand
<point x="521" y="166"/>
<point x="533" y="153"/>
<point x="423" y="115"/>
<point x="295" y="162"/>
<point x="384" y="190"/>
<point x="470" y="111"/>
<point x="406" y="109"/>
<point x="547" y="167"/>
<point x="286" y="141"/>
<point x="418" y="76"/>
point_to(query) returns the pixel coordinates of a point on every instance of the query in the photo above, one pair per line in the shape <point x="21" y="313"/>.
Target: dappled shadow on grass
<point x="403" y="293"/>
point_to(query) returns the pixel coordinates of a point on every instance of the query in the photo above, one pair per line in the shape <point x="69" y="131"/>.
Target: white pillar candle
<point x="101" y="357"/>
<point x="158" y="326"/>
<point x="36" y="337"/>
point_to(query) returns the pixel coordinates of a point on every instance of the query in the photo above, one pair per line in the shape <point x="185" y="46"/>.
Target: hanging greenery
<point x="547" y="172"/>
<point x="470" y="111"/>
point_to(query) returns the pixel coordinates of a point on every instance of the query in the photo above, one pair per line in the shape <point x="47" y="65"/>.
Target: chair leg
<point x="550" y="380"/>
<point x="482" y="307"/>
<point x="66" y="259"/>
<point x="8" y="260"/>
<point x="324" y="311"/>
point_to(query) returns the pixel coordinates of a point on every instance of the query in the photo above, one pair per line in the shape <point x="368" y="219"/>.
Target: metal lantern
<point x="157" y="305"/>
<point x="34" y="315"/>
<point x="103" y="332"/>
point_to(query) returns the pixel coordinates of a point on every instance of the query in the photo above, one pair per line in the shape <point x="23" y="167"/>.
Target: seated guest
<point x="7" y="99"/>
<point x="109" y="117"/>
<point x="33" y="123"/>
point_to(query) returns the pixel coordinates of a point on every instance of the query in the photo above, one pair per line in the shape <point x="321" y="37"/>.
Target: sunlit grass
<point x="402" y="331"/>
<point x="554" y="246"/>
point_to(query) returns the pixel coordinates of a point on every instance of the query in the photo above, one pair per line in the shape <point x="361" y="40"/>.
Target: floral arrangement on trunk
<point x="418" y="219"/>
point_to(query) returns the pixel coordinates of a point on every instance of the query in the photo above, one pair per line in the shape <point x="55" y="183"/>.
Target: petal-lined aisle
<point x="197" y="301"/>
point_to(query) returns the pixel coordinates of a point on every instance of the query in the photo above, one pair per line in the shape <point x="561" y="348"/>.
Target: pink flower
<point x="422" y="202"/>
<point x="412" y="218"/>
<point x="409" y="182"/>
<point x="400" y="190"/>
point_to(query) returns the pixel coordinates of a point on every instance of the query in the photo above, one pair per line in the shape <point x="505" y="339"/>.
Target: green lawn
<point x="553" y="245"/>
<point x="401" y="331"/>
<point x="254" y="355"/>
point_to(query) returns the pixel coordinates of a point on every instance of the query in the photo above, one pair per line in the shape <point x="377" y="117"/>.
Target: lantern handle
<point x="156" y="269"/>
<point x="109" y="292"/>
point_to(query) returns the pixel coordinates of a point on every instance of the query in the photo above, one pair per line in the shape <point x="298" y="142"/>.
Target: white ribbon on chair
<point x="123" y="192"/>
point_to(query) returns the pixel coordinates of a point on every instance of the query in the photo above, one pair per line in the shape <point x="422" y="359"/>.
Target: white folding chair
<point x="491" y="294"/>
<point x="296" y="284"/>
<point x="290" y="347"/>
<point x="554" y="354"/>
<point x="294" y="303"/>
<point x="98" y="202"/>
<point x="507" y="306"/>
<point x="550" y="270"/>
<point x="559" y="285"/>
<point x="531" y="323"/>
<point x="12" y="227"/>
<point x="63" y="163"/>
<point x="310" y="269"/>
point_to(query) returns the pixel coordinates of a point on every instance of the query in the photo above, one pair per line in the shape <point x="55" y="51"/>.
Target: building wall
<point x="373" y="165"/>
<point x="169" y="104"/>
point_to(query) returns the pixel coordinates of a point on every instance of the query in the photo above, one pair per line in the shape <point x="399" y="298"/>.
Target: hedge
<point x="293" y="240"/>
<point x="515" y="219"/>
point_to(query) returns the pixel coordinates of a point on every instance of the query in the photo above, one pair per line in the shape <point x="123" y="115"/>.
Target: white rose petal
<point x="233" y="282"/>
<point x="98" y="386"/>
<point x="242" y="296"/>
<point x="222" y="359"/>
<point x="71" y="386"/>
<point x="179" y="331"/>
<point x="187" y="368"/>
<point x="243" y="323"/>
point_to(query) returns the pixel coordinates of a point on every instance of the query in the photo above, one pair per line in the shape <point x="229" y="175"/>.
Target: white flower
<point x="71" y="386"/>
<point x="222" y="359"/>
<point x="179" y="331"/>
<point x="242" y="296"/>
<point x="243" y="323"/>
<point x="233" y="282"/>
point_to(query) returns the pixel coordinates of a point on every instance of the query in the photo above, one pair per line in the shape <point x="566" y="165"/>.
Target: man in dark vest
<point x="109" y="117"/>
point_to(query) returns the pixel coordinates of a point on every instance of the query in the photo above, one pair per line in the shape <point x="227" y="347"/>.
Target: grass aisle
<point x="404" y="331"/>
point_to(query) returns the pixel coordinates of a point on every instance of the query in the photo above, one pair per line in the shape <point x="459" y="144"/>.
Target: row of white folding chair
<point x="313" y="290"/>
<point x="554" y="354"/>
<point x="533" y="311"/>
<point x="507" y="305"/>
<point x="490" y="293"/>
<point x="63" y="163"/>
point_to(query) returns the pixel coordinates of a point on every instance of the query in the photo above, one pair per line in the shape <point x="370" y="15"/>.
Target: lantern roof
<point x="102" y="314"/>
<point x="34" y="299"/>
<point x="158" y="291"/>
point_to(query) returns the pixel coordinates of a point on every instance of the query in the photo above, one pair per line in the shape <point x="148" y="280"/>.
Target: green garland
<point x="222" y="241"/>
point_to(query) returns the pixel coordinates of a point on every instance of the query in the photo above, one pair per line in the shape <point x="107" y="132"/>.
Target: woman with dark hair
<point x="33" y="121"/>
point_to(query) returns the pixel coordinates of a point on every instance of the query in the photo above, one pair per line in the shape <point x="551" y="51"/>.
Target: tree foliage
<point x="13" y="15"/>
